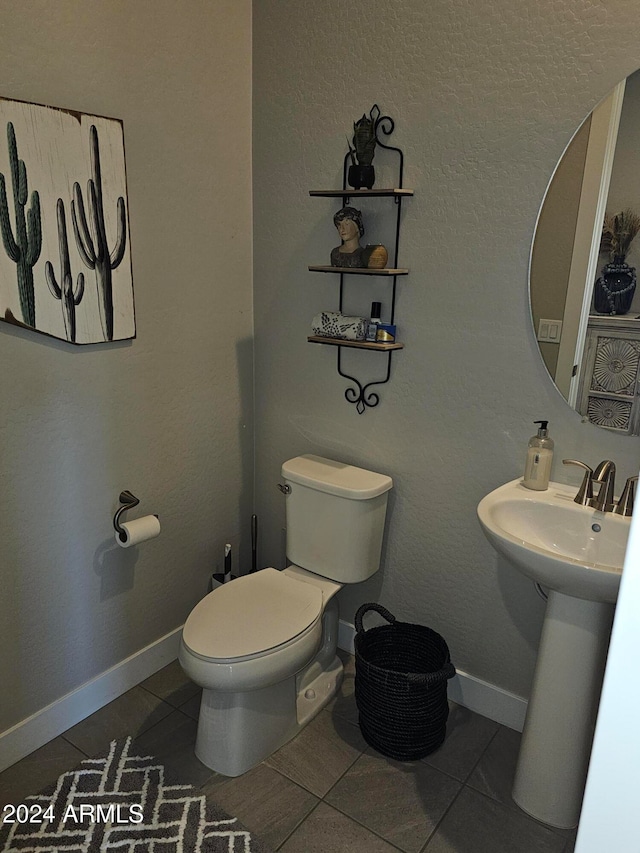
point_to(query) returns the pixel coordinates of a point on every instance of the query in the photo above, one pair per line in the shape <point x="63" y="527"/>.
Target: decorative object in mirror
<point x="614" y="289"/>
<point x="582" y="277"/>
<point x="362" y="173"/>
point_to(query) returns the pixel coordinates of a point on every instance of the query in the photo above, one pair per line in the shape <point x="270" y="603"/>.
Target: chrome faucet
<point x="605" y="474"/>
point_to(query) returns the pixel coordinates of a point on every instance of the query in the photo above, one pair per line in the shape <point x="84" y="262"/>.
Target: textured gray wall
<point x="485" y="96"/>
<point x="168" y="415"/>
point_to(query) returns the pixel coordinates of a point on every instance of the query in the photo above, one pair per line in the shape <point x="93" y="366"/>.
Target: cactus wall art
<point x="23" y="248"/>
<point x="65" y="258"/>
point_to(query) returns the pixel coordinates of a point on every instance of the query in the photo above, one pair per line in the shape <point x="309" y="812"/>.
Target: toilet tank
<point x="335" y="517"/>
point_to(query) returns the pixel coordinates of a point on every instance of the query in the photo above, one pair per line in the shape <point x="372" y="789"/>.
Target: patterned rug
<point x="126" y="803"/>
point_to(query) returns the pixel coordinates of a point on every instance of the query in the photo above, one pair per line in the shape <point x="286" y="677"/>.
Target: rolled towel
<point x="333" y="324"/>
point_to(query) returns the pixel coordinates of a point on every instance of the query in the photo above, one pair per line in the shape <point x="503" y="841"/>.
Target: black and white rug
<point x="126" y="803"/>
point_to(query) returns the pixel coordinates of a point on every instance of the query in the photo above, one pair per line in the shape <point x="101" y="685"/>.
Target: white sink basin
<point x="566" y="547"/>
<point x="577" y="553"/>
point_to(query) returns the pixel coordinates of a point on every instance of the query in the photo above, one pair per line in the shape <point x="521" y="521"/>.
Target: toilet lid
<point x="252" y="614"/>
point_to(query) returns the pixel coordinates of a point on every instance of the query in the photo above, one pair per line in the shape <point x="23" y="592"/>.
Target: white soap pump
<point x="537" y="469"/>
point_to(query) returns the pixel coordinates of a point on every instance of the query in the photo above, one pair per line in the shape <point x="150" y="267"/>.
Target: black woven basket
<point x="401" y="686"/>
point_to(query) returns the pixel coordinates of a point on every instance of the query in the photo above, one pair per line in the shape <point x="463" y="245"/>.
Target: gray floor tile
<point x="371" y="803"/>
<point x="265" y="801"/>
<point x="494" y="772"/>
<point x="320" y="754"/>
<point x="130" y="714"/>
<point x="477" y="824"/>
<point x="468" y="735"/>
<point x="327" y="830"/>
<point x="400" y="801"/>
<point x="192" y="706"/>
<point x="172" y="741"/>
<point x="37" y="770"/>
<point x="171" y="684"/>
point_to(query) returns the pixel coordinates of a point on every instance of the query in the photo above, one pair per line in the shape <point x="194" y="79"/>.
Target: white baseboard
<point x="38" y="729"/>
<point x="464" y="689"/>
<point x="41" y="727"/>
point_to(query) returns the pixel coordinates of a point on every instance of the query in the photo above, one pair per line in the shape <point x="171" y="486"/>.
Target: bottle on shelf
<point x="374" y="322"/>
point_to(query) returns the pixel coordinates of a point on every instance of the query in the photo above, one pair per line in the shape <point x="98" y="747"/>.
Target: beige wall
<point x="485" y="99"/>
<point x="168" y="415"/>
<point x="553" y="244"/>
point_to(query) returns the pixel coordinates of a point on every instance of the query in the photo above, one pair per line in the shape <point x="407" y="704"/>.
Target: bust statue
<point x="348" y="221"/>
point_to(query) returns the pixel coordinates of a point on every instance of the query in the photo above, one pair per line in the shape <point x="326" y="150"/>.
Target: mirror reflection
<point x="584" y="302"/>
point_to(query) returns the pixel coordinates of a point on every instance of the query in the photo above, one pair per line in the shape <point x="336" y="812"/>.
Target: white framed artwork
<point x="65" y="256"/>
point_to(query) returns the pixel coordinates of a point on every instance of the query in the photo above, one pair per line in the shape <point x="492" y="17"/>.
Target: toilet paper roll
<point x="138" y="530"/>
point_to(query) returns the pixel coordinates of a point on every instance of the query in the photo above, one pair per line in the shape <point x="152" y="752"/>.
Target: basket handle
<point x="378" y="608"/>
<point x="447" y="671"/>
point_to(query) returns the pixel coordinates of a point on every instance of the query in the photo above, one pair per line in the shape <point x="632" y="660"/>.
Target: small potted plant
<point x="361" y="173"/>
<point x="613" y="291"/>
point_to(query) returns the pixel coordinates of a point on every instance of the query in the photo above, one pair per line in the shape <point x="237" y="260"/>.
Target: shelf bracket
<point x="360" y="396"/>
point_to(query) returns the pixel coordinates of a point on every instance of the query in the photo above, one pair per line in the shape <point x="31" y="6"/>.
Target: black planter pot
<point x="613" y="291"/>
<point x="361" y="176"/>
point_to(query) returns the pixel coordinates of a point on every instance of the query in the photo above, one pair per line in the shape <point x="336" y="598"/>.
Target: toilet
<point x="263" y="647"/>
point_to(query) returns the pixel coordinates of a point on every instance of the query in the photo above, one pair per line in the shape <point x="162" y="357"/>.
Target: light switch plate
<point x="550" y="331"/>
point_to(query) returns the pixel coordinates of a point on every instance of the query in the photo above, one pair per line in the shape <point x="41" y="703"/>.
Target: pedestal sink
<point x="576" y="553"/>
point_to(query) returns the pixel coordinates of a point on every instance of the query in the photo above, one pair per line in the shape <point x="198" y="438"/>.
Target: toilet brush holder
<point x="218" y="579"/>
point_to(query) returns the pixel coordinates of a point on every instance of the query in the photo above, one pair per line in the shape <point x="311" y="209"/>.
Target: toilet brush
<point x="227" y="564"/>
<point x="225" y="575"/>
<point x="254" y="542"/>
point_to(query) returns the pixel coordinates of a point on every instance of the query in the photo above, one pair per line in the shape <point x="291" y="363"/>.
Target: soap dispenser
<point x="539" y="457"/>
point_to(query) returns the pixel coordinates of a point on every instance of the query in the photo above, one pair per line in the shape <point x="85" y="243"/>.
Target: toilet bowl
<point x="263" y="647"/>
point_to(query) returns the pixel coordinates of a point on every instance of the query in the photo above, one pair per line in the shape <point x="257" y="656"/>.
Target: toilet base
<point x="239" y="729"/>
<point x="236" y="731"/>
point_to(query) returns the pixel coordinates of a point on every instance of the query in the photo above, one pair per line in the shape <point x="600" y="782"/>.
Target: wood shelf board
<point x="358" y="270"/>
<point x="371" y="193"/>
<point x="339" y="342"/>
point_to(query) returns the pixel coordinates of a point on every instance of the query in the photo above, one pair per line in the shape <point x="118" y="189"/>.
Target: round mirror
<point x="582" y="278"/>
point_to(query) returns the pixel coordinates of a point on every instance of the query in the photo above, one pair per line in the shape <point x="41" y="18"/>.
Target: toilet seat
<point x="252" y="616"/>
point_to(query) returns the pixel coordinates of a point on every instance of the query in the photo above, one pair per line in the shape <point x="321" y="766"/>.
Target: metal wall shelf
<point x="359" y="270"/>
<point x="360" y="394"/>
<point x="398" y="193"/>
<point x="340" y="342"/>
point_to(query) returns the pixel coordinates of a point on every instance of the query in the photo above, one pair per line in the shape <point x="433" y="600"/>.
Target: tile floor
<point x="325" y="790"/>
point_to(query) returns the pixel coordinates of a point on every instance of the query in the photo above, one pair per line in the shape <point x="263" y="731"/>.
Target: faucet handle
<point x="585" y="492"/>
<point x="625" y="504"/>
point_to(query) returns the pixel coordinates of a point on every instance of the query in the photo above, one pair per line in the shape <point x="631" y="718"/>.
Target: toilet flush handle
<point x="285" y="488"/>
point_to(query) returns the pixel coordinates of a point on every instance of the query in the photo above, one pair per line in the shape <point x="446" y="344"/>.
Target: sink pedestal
<point x="558" y="730"/>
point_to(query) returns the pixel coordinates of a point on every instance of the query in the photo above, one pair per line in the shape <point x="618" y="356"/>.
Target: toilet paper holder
<point x="128" y="501"/>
